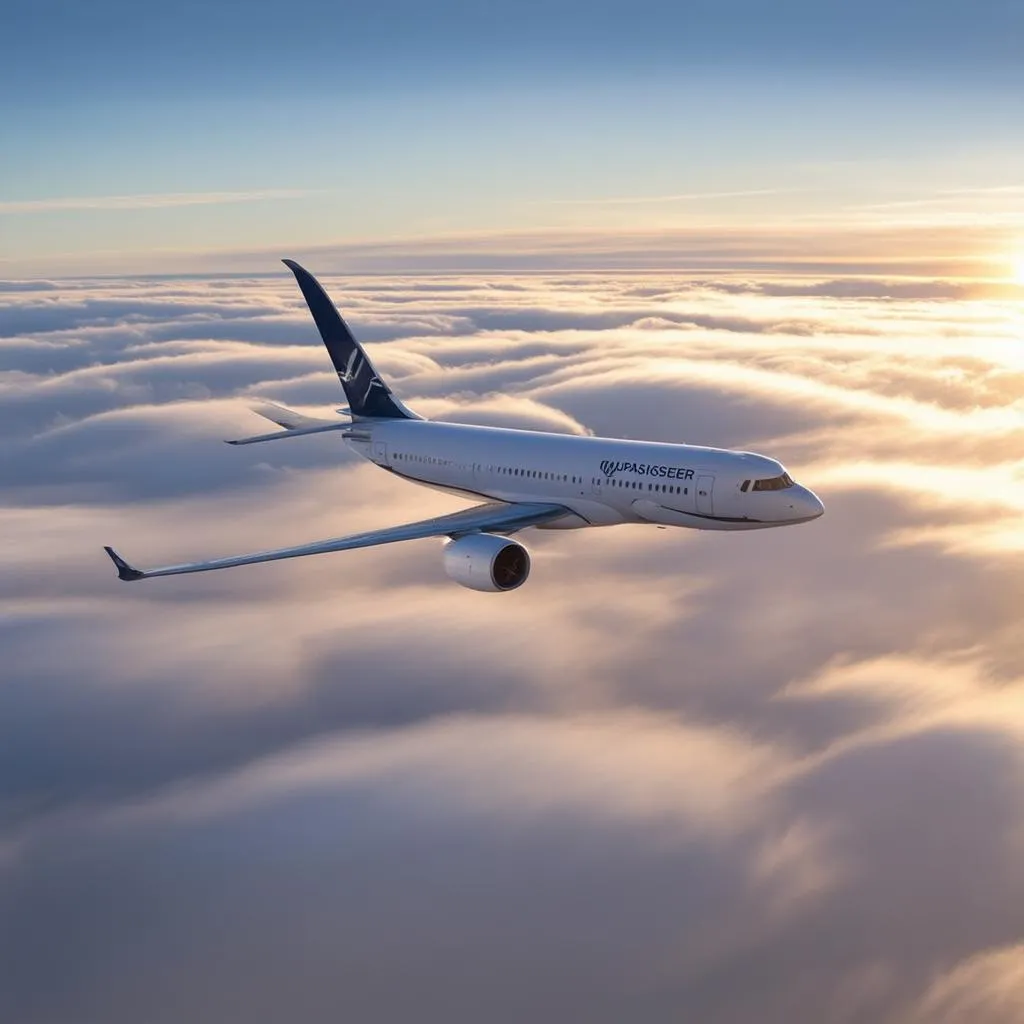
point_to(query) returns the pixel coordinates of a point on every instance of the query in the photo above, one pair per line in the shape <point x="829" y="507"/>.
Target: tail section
<point x="368" y="395"/>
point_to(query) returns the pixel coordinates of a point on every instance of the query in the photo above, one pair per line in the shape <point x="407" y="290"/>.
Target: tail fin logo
<point x="353" y="367"/>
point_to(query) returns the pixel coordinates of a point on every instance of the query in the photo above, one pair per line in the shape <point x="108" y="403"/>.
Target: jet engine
<point x="482" y="561"/>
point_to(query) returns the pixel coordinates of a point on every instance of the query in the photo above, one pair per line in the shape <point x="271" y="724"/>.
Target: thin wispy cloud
<point x="680" y="197"/>
<point x="939" y="196"/>
<point x="990" y="190"/>
<point x="152" y="201"/>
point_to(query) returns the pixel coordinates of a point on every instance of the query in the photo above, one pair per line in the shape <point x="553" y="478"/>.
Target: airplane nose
<point x="806" y="503"/>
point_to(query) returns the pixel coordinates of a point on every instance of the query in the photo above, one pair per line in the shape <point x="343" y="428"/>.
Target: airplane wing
<point x="494" y="517"/>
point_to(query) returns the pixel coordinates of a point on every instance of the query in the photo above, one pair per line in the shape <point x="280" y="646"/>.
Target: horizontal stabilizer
<point x="298" y="432"/>
<point x="285" y="417"/>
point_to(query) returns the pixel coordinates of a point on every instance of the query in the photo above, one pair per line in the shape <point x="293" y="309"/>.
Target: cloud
<point x="682" y="197"/>
<point x="771" y="776"/>
<point x="989" y="986"/>
<point x="153" y="201"/>
<point x="967" y="250"/>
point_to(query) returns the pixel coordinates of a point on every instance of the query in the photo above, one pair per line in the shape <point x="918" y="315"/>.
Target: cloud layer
<point x="774" y="776"/>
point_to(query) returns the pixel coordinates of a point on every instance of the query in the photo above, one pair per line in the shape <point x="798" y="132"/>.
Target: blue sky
<point x="239" y="127"/>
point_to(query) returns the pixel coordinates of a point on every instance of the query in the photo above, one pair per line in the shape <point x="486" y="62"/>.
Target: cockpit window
<point x="775" y="483"/>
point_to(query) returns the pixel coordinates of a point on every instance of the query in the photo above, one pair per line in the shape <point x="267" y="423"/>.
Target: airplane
<point x="525" y="478"/>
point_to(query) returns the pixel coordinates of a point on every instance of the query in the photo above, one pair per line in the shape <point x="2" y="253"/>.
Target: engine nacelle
<point x="482" y="561"/>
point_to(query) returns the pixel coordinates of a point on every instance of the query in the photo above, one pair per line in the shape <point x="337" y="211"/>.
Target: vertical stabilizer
<point x="368" y="395"/>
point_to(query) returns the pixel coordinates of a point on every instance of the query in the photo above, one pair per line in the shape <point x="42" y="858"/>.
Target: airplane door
<point x="380" y="453"/>
<point x="705" y="485"/>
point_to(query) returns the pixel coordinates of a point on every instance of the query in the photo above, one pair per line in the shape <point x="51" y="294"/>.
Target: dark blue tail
<point x="368" y="395"/>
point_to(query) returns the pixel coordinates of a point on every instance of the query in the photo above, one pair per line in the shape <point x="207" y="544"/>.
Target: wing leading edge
<point x="496" y="517"/>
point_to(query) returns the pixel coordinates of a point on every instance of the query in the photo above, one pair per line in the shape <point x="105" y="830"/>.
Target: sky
<point x="135" y="137"/>
<point x="763" y="777"/>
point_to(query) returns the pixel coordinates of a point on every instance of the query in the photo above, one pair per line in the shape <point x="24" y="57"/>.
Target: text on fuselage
<point x="610" y="468"/>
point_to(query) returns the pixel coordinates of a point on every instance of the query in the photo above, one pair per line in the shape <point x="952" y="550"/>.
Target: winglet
<point x="124" y="570"/>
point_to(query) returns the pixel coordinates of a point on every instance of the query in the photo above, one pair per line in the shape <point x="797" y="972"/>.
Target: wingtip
<point x="125" y="571"/>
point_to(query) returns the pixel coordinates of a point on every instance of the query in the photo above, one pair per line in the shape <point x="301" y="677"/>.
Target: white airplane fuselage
<point x="603" y="481"/>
